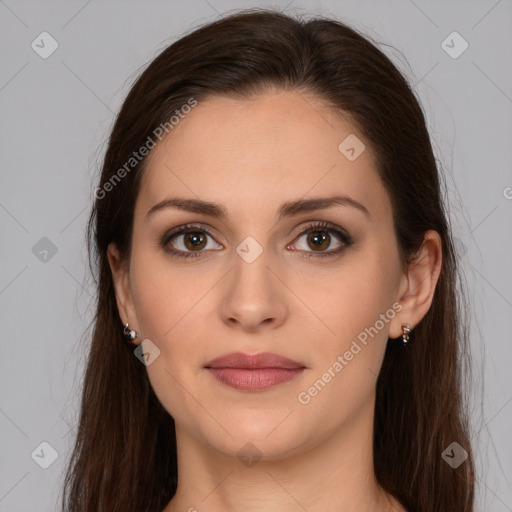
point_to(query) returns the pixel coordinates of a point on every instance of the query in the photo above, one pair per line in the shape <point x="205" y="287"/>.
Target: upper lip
<point x="248" y="361"/>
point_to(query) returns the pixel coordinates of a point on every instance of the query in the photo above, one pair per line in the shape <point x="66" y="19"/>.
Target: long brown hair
<point x="124" y="458"/>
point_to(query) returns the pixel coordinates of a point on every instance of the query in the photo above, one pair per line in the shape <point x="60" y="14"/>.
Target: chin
<point x="266" y="439"/>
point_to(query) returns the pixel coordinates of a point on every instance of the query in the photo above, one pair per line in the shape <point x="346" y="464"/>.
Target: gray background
<point x="56" y="115"/>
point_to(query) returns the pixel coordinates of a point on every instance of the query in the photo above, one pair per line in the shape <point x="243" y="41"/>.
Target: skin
<point x="250" y="156"/>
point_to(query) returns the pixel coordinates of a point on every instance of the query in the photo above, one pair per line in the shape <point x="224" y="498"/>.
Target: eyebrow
<point x="287" y="209"/>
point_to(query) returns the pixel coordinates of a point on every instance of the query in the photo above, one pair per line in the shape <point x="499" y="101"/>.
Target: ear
<point x="418" y="284"/>
<point x="121" y="279"/>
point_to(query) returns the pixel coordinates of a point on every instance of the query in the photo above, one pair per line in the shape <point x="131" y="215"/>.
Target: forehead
<point x="249" y="153"/>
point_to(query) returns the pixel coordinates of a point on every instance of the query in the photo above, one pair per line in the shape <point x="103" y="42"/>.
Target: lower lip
<point x="256" y="379"/>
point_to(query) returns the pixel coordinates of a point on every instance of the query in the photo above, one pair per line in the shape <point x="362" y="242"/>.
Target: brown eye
<point x="189" y="241"/>
<point x="322" y="239"/>
<point x="194" y="240"/>
<point x="318" y="240"/>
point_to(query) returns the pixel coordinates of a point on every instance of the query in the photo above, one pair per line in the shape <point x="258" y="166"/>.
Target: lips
<point x="263" y="360"/>
<point x="256" y="372"/>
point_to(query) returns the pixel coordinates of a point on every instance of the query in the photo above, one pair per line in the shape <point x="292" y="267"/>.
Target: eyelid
<point x="321" y="225"/>
<point x="178" y="230"/>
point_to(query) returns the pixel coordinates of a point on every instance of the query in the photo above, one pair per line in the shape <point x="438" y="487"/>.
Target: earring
<point x="406" y="330"/>
<point x="129" y="334"/>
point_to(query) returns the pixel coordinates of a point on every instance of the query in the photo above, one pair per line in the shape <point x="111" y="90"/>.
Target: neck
<point x="337" y="475"/>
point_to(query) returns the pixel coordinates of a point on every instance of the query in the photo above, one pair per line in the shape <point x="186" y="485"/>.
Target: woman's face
<point x="255" y="281"/>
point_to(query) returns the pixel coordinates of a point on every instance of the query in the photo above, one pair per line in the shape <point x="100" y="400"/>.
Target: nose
<point x="254" y="297"/>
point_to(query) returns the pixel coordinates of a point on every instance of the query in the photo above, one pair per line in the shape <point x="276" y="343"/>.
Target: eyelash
<point x="342" y="235"/>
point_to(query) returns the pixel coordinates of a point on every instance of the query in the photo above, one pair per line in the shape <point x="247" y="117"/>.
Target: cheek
<point x="349" y="299"/>
<point x="167" y="301"/>
<point x="358" y="306"/>
<point x="164" y="293"/>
